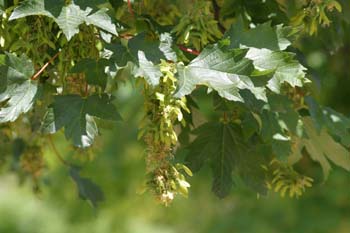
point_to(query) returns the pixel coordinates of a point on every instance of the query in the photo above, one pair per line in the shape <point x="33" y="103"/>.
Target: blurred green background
<point x="118" y="167"/>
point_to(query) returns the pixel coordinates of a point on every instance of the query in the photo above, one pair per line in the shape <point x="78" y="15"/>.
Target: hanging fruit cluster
<point x="284" y="179"/>
<point x="315" y="13"/>
<point x="163" y="111"/>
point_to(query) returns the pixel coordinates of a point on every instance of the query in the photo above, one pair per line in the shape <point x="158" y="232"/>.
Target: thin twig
<point x="217" y="16"/>
<point x="188" y="50"/>
<point x="86" y="91"/>
<point x="58" y="155"/>
<point x="126" y="36"/>
<point x="37" y="74"/>
<point x="130" y="8"/>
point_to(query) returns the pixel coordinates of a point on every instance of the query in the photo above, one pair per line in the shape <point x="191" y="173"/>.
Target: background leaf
<point x="75" y="115"/>
<point x="87" y="189"/>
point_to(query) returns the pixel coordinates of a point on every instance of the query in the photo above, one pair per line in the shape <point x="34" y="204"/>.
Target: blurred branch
<point x="56" y="152"/>
<point x="37" y="74"/>
<point x="188" y="50"/>
<point x="217" y="16"/>
<point x="130" y="8"/>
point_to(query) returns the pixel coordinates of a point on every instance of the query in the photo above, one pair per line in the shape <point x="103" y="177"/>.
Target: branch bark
<point x="217" y="16"/>
<point x="37" y="74"/>
<point x="188" y="50"/>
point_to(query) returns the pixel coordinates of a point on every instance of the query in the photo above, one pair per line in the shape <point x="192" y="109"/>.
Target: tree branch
<point x="58" y="155"/>
<point x="37" y="74"/>
<point x="130" y="8"/>
<point x="217" y="16"/>
<point x="188" y="50"/>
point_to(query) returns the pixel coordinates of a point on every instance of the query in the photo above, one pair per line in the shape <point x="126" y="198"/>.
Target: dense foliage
<point x="62" y="63"/>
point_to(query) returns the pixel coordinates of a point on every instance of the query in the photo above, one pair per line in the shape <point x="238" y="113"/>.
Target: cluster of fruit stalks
<point x="163" y="112"/>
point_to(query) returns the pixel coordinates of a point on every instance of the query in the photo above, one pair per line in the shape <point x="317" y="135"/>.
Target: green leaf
<point x="223" y="71"/>
<point x="283" y="107"/>
<point x="282" y="65"/>
<point x="102" y="107"/>
<point x="336" y="123"/>
<point x="154" y="49"/>
<point x="201" y="148"/>
<point x="223" y="146"/>
<point x="2" y="7"/>
<point x="87" y="189"/>
<point x="17" y="92"/>
<point x="89" y="3"/>
<point x="146" y="69"/>
<point x="148" y="45"/>
<point x="102" y="20"/>
<point x="19" y="99"/>
<point x="68" y="17"/>
<point x="272" y="133"/>
<point x="14" y="69"/>
<point x="214" y="142"/>
<point x="75" y="114"/>
<point x="94" y="71"/>
<point x="49" y="8"/>
<point x="250" y="125"/>
<point x="279" y="120"/>
<point x="266" y="44"/>
<point x="275" y="38"/>
<point x="147" y="52"/>
<point x="249" y="166"/>
<point x="166" y="46"/>
<point x="321" y="147"/>
<point x="119" y="54"/>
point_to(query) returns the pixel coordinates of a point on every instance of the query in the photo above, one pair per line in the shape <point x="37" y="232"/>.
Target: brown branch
<point x="188" y="50"/>
<point x="37" y="74"/>
<point x="126" y="36"/>
<point x="217" y="16"/>
<point x="130" y="8"/>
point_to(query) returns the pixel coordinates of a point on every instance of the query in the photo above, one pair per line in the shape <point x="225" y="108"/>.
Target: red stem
<point x="188" y="50"/>
<point x="130" y="8"/>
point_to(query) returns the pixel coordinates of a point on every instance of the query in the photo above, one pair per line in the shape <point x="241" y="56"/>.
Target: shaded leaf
<point x="68" y="17"/>
<point x="148" y="46"/>
<point x="336" y="123"/>
<point x="281" y="65"/>
<point x="119" y="54"/>
<point x="75" y="114"/>
<point x="274" y="38"/>
<point x="88" y="190"/>
<point x="215" y="143"/>
<point x="223" y="146"/>
<point x="89" y="3"/>
<point x="2" y="6"/>
<point x="94" y="71"/>
<point x="321" y="147"/>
